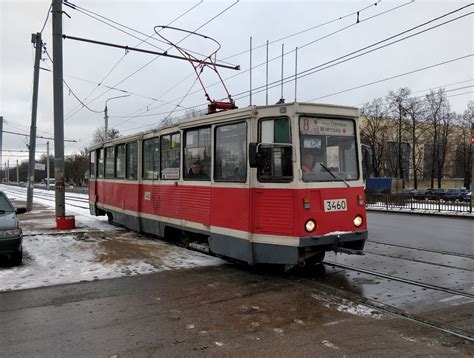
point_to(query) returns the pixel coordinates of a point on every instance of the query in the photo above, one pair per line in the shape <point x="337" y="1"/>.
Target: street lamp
<point x="106" y="116"/>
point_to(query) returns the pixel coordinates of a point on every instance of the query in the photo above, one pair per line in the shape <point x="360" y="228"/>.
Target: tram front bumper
<point x="341" y="239"/>
<point x="350" y="243"/>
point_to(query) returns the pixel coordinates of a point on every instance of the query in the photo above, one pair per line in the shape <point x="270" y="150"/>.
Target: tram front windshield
<point x="328" y="149"/>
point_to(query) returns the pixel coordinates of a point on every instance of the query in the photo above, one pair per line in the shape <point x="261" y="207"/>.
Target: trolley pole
<point x="36" y="39"/>
<point x="58" y="108"/>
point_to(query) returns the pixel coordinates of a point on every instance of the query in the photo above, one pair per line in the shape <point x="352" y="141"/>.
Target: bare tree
<point x="415" y="111"/>
<point x="437" y="108"/>
<point x="398" y="103"/>
<point x="464" y="160"/>
<point x="99" y="135"/>
<point x="375" y="132"/>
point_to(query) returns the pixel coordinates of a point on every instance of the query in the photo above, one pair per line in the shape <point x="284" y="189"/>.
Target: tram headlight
<point x="310" y="225"/>
<point x="358" y="221"/>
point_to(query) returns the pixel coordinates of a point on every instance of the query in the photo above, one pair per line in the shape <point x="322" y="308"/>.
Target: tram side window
<point x="132" y="161"/>
<point x="151" y="158"/>
<point x="230" y="162"/>
<point x="275" y="156"/>
<point x="109" y="162"/>
<point x="197" y="154"/>
<point x="120" y="161"/>
<point x="101" y="163"/>
<point x="170" y="156"/>
<point x="92" y="168"/>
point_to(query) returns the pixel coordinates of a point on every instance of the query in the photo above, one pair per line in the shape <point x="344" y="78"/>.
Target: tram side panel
<point x="230" y="223"/>
<point x="196" y="205"/>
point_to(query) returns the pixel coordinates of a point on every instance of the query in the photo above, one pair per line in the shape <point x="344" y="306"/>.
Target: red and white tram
<point x="278" y="184"/>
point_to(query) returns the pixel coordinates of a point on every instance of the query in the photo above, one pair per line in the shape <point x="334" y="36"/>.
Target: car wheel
<point x="17" y="258"/>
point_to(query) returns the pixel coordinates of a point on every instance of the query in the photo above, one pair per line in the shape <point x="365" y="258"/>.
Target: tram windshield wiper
<point x="334" y="174"/>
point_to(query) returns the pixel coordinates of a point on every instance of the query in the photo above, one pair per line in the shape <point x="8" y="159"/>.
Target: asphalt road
<point x="429" y="232"/>
<point x="234" y="311"/>
<point x="220" y="311"/>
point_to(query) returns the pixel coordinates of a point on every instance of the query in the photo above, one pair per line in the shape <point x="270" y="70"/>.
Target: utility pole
<point x="47" y="165"/>
<point x="58" y="108"/>
<point x="36" y="39"/>
<point x="250" y="71"/>
<point x="282" y="100"/>
<point x="17" y="172"/>
<point x="106" y="116"/>
<point x="8" y="171"/>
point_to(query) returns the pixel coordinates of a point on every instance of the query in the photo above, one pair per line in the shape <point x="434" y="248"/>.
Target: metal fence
<point x="408" y="202"/>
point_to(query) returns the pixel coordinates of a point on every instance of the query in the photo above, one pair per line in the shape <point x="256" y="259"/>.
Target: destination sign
<point x="323" y="126"/>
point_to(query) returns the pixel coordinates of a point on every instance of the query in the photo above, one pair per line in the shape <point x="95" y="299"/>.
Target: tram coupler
<point x="349" y="251"/>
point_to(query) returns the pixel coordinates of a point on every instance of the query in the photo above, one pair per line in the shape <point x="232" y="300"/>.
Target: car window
<point x="5" y="205"/>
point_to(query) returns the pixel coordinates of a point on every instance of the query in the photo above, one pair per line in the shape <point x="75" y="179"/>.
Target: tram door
<point x="230" y="187"/>
<point x="273" y="201"/>
<point x="99" y="183"/>
<point x="93" y="180"/>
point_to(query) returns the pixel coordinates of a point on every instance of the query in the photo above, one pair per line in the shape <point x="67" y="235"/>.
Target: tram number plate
<point x="335" y="205"/>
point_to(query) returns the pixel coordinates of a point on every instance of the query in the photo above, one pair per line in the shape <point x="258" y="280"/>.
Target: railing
<point x="408" y="202"/>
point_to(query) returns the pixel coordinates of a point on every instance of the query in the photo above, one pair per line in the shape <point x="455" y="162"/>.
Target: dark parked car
<point x="415" y="193"/>
<point x="434" y="194"/>
<point x="455" y="194"/>
<point x="11" y="237"/>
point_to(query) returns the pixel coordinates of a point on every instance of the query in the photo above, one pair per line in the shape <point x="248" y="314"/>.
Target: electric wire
<point x="277" y="57"/>
<point x="391" y="77"/>
<point x="341" y="59"/>
<point x="154" y="59"/>
<point x="95" y="15"/>
<point x="125" y="54"/>
<point x="357" y="87"/>
<point x="47" y="17"/>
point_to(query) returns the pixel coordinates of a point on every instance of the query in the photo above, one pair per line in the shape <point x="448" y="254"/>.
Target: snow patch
<point x="347" y="306"/>
<point x="94" y="250"/>
<point x="329" y="344"/>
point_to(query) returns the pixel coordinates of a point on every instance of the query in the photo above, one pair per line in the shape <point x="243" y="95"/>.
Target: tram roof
<point x="277" y="109"/>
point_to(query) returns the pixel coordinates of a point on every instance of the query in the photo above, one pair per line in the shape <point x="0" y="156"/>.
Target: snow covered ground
<point x="94" y="250"/>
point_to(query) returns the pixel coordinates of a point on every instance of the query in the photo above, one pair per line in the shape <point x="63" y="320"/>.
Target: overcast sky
<point x="157" y="88"/>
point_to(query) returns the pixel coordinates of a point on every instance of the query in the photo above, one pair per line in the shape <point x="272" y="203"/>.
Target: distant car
<point x="415" y="193"/>
<point x="11" y="236"/>
<point x="455" y="194"/>
<point x="434" y="194"/>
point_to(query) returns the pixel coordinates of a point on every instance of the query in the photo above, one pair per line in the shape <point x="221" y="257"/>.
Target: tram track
<point x="418" y="261"/>
<point x="468" y="256"/>
<point x="403" y="280"/>
<point x="51" y="198"/>
<point x="387" y="309"/>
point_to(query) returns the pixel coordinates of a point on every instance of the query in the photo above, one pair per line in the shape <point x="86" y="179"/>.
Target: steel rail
<point x="388" y="309"/>
<point x="403" y="280"/>
<point x="423" y="249"/>
<point x="415" y="260"/>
